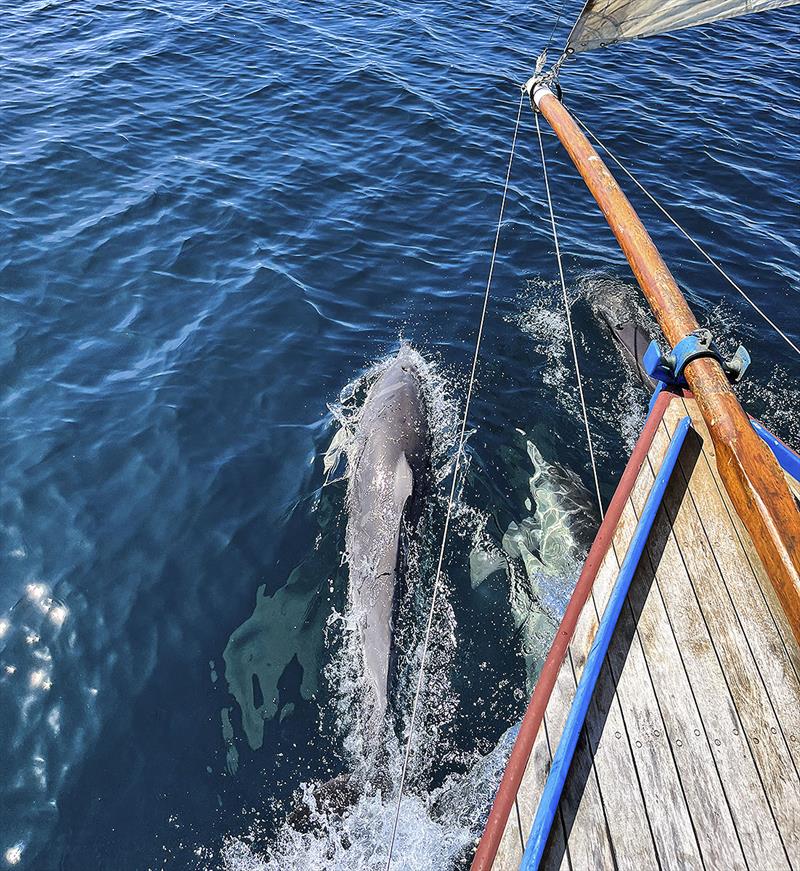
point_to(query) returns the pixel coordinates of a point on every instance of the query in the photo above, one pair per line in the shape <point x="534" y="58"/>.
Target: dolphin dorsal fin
<point x="403" y="481"/>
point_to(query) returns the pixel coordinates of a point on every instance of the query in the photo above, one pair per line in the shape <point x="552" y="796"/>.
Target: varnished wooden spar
<point x="747" y="467"/>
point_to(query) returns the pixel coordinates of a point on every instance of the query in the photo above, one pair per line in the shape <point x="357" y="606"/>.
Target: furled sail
<point x="604" y="22"/>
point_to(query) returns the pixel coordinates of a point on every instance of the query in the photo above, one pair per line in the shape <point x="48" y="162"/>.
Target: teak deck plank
<point x="758" y="623"/>
<point x="588" y="841"/>
<point x="673" y="833"/>
<point x="719" y="580"/>
<point x="609" y="737"/>
<point x="702" y="788"/>
<point x="719" y="733"/>
<point x="689" y="756"/>
<point x="791" y="650"/>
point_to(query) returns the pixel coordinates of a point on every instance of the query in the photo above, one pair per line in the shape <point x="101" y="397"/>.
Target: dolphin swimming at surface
<point x="631" y="338"/>
<point x="389" y="470"/>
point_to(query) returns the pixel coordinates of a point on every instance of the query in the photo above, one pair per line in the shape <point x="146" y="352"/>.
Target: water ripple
<point x="214" y="216"/>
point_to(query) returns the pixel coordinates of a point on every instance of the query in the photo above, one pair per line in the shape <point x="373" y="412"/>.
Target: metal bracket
<point x="669" y="368"/>
<point x="537" y="77"/>
<point x="541" y="78"/>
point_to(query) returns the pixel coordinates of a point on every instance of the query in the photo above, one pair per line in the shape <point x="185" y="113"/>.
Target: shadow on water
<point x="284" y="635"/>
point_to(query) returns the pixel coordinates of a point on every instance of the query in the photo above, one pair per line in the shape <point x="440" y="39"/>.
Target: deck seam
<point x="738" y="617"/>
<point x="585" y="735"/>
<point x="655" y="692"/>
<point x="613" y="849"/>
<point x="560" y="811"/>
<point x="519" y="824"/>
<point x="728" y="686"/>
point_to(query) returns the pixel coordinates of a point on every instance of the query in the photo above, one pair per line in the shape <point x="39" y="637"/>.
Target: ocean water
<point x="216" y="220"/>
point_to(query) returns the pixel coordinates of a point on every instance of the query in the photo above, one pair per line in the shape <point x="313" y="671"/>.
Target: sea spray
<point x="441" y="813"/>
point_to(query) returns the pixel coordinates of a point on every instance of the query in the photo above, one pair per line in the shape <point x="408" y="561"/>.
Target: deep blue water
<point x="216" y="216"/>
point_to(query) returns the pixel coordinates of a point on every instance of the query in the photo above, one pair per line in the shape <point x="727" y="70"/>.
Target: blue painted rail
<point x="786" y="457"/>
<point x="551" y="796"/>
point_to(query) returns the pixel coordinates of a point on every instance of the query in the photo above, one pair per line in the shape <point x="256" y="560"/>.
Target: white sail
<point x="604" y="22"/>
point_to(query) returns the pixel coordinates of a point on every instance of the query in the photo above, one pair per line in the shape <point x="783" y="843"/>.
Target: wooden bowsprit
<point x="662" y="731"/>
<point x="751" y="475"/>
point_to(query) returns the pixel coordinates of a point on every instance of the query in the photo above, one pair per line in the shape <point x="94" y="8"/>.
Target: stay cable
<point x="453" y="489"/>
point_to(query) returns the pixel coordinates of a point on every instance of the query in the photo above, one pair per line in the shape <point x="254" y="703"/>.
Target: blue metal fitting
<point x="669" y="368"/>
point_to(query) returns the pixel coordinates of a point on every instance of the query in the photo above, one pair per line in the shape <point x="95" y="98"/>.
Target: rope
<point x="569" y="318"/>
<point x="696" y="244"/>
<point x="451" y="499"/>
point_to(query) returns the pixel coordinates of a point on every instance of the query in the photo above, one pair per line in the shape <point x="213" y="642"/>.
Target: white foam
<point x="615" y="401"/>
<point x="435" y="828"/>
<point x="13" y="855"/>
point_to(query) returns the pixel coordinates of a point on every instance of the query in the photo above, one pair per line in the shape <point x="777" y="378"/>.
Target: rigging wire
<point x="569" y="318"/>
<point x="696" y="244"/>
<point x="557" y="22"/>
<point x="454" y="484"/>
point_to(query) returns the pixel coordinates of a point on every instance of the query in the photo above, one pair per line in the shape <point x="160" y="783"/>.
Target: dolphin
<point x="631" y="338"/>
<point x="389" y="471"/>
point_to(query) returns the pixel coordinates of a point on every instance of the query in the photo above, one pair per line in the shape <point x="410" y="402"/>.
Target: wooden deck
<point x="689" y="756"/>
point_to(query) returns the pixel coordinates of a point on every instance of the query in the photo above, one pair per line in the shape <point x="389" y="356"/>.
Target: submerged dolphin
<point x="391" y="467"/>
